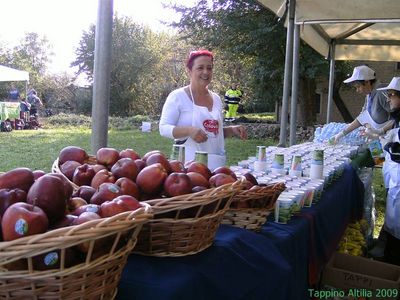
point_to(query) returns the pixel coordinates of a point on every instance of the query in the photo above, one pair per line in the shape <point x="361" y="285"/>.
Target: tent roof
<point x="9" y="74"/>
<point x="360" y="29"/>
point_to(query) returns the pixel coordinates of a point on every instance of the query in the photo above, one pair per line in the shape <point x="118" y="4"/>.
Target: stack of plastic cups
<point x="278" y="164"/>
<point x="296" y="169"/>
<point x="260" y="164"/>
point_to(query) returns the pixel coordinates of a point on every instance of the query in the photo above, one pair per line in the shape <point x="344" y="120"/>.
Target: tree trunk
<point x="306" y="102"/>
<point x="345" y="113"/>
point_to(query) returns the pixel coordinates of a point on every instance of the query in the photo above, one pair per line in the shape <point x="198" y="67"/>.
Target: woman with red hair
<point x="193" y="115"/>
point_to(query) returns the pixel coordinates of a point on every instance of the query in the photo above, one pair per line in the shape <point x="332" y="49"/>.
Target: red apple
<point x="102" y="176"/>
<point x="21" y="178"/>
<point x="68" y="189"/>
<point x="68" y="168"/>
<point x="151" y="179"/>
<point x="250" y="177"/>
<point x="129" y="153"/>
<point x="199" y="167"/>
<point x="224" y="170"/>
<point x="147" y="154"/>
<point x="128" y="187"/>
<point x="177" y="184"/>
<point x="198" y="188"/>
<point x="107" y="156"/>
<point x="72" y="153"/>
<point x="94" y="208"/>
<point x="159" y="158"/>
<point x="130" y="202"/>
<point x="9" y="197"/>
<point x="23" y="219"/>
<point x="98" y="167"/>
<point x="177" y="166"/>
<point x="85" y="217"/>
<point x="198" y="180"/>
<point x="38" y="173"/>
<point x="140" y="164"/>
<point x="125" y="167"/>
<point x="106" y="192"/>
<point x="118" y="205"/>
<point x="49" y="194"/>
<point x="85" y="192"/>
<point x="75" y="202"/>
<point x="221" y="179"/>
<point x="83" y="175"/>
<point x="64" y="222"/>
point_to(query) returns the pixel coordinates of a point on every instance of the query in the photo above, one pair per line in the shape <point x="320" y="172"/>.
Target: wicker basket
<point x="250" y="208"/>
<point x="187" y="224"/>
<point x="55" y="168"/>
<point x="96" y="275"/>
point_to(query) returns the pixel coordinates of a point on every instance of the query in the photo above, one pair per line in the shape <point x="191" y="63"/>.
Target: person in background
<point x="192" y="115"/>
<point x="375" y="112"/>
<point x="391" y="142"/>
<point x="34" y="102"/>
<point x="13" y="94"/>
<point x="232" y="99"/>
<point x="24" y="110"/>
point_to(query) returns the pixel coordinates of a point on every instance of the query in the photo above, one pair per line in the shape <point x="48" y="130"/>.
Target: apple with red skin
<point x="130" y="202"/>
<point x="83" y="175"/>
<point x="64" y="222"/>
<point x="68" y="189"/>
<point x="140" y="164"/>
<point x="128" y="187"/>
<point x="199" y="167"/>
<point x="147" y="154"/>
<point x="98" y="167"/>
<point x="250" y="177"/>
<point x="177" y="166"/>
<point x="38" y="173"/>
<point x="129" y="153"/>
<point x="72" y="153"/>
<point x="159" y="158"/>
<point x="86" y="208"/>
<point x="75" y="202"/>
<point x="9" y="197"/>
<point x="221" y="179"/>
<point x="177" y="184"/>
<point x="125" y="167"/>
<point x="198" y="188"/>
<point x="198" y="180"/>
<point x="106" y="192"/>
<point x="21" y="178"/>
<point x="107" y="156"/>
<point x="85" y="192"/>
<point x="150" y="180"/>
<point x="68" y="168"/>
<point x="23" y="219"/>
<point x="118" y="205"/>
<point x="101" y="177"/>
<point x="225" y="170"/>
<point x="49" y="194"/>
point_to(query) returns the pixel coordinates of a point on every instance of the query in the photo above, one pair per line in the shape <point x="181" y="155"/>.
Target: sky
<point x="63" y="21"/>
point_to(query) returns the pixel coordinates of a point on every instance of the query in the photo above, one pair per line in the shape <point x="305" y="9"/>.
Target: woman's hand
<point x="198" y="135"/>
<point x="239" y="131"/>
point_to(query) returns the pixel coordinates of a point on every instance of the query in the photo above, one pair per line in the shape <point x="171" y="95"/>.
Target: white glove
<point x="372" y="134"/>
<point x="337" y="137"/>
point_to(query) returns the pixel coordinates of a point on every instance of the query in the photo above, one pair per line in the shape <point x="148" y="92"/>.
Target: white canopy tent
<point x="10" y="74"/>
<point x="338" y="30"/>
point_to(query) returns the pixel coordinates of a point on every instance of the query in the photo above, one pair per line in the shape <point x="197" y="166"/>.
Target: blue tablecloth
<point x="280" y="262"/>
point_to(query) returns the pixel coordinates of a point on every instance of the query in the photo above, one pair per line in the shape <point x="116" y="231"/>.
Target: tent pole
<point x="102" y="67"/>
<point x="331" y="81"/>
<point x="288" y="71"/>
<point x="295" y="88"/>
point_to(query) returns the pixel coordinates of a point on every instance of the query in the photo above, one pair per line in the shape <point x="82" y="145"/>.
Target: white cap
<point x="361" y="73"/>
<point x="393" y="85"/>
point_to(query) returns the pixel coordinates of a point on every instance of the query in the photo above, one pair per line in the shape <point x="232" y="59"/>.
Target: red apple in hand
<point x="199" y="167"/>
<point x="48" y="193"/>
<point x="224" y="170"/>
<point x="125" y="167"/>
<point x="128" y="187"/>
<point x="23" y="219"/>
<point x="83" y="175"/>
<point x="107" y="156"/>
<point x="177" y="184"/>
<point x="85" y="192"/>
<point x="129" y="153"/>
<point x="198" y="180"/>
<point x="221" y="179"/>
<point x="151" y="179"/>
<point x="72" y="153"/>
<point x="68" y="168"/>
<point x="102" y="176"/>
<point x="106" y="192"/>
<point x="9" y="197"/>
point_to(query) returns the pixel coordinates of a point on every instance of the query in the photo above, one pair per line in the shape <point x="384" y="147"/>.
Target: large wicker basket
<point x="250" y="208"/>
<point x="187" y="224"/>
<point x="95" y="276"/>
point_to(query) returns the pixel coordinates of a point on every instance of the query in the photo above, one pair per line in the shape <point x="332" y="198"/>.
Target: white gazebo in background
<point x="338" y="30"/>
<point x="10" y="74"/>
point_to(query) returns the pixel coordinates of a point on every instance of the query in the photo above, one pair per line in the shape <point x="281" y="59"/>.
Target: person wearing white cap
<point x="375" y="112"/>
<point x="391" y="141"/>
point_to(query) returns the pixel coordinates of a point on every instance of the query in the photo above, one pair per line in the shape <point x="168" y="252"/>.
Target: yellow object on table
<point x="9" y="110"/>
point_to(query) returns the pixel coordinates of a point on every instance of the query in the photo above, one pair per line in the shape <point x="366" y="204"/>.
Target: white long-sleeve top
<point x="178" y="111"/>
